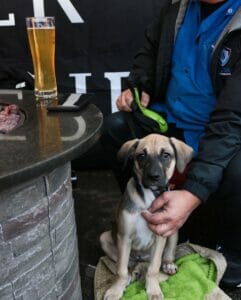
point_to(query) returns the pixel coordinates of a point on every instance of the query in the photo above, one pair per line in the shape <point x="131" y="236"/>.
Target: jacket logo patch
<point x="225" y="71"/>
<point x="224" y="56"/>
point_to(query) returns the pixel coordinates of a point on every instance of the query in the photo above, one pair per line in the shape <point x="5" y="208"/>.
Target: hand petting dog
<point x="170" y="211"/>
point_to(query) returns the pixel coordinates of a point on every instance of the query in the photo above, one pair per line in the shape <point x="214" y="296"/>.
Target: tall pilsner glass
<point x="41" y="36"/>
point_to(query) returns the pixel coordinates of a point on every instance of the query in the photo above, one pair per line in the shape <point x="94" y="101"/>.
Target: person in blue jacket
<point x="189" y="69"/>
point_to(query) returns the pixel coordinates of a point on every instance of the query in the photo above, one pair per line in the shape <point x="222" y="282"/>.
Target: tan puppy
<point x="155" y="158"/>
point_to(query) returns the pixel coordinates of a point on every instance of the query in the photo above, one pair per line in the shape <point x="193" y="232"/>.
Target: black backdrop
<point x="95" y="43"/>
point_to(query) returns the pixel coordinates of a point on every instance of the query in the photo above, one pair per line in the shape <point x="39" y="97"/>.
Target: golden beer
<point x="42" y="45"/>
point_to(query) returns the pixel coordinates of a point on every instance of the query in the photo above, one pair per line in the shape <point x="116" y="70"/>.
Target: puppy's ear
<point x="184" y="154"/>
<point x="127" y="151"/>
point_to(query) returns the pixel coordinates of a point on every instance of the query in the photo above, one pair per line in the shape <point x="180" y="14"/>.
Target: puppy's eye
<point x="165" y="155"/>
<point x="141" y="156"/>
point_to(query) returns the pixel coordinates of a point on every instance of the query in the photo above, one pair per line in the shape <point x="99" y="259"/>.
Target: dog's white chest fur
<point x="142" y="237"/>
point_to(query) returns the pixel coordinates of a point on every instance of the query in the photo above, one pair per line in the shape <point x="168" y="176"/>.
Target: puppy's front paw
<point x="113" y="294"/>
<point x="153" y="289"/>
<point x="169" y="268"/>
<point x="155" y="295"/>
<point x="116" y="291"/>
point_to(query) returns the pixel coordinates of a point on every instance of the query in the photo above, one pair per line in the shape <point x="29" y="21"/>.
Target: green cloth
<point x="195" y="279"/>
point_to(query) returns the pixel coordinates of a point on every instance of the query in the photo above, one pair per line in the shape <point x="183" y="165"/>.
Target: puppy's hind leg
<point x="108" y="245"/>
<point x="115" y="292"/>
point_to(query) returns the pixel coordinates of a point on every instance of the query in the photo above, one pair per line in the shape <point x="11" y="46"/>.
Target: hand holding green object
<point x="151" y="114"/>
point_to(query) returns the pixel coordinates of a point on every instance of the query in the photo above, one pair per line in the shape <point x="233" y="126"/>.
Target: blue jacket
<point x="151" y="73"/>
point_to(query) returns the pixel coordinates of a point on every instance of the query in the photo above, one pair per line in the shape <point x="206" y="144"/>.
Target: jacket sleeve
<point x="221" y="141"/>
<point x="143" y="69"/>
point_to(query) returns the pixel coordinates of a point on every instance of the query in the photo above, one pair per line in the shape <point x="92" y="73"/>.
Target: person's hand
<point x="126" y="97"/>
<point x="170" y="211"/>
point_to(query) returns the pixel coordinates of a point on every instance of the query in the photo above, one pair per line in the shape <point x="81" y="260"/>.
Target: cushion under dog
<point x="199" y="272"/>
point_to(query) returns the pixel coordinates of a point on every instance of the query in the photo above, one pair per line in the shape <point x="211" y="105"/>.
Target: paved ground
<point x="96" y="195"/>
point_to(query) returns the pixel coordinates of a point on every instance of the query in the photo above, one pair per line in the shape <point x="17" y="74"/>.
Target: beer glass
<point x="41" y="36"/>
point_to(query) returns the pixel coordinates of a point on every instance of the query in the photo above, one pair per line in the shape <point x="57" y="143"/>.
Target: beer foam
<point x="41" y="27"/>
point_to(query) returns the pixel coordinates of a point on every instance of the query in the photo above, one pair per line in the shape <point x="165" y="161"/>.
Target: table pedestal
<point x="38" y="244"/>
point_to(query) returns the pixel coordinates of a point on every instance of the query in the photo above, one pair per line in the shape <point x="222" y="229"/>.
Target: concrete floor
<point x="96" y="196"/>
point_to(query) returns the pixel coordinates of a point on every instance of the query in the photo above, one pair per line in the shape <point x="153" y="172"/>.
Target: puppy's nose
<point x="154" y="176"/>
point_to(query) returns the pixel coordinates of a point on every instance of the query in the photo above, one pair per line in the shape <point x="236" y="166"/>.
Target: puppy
<point x="155" y="158"/>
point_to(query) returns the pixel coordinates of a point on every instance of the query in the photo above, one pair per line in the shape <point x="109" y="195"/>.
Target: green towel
<point x="195" y="279"/>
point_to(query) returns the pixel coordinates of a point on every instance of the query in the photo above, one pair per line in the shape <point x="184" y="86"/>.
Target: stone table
<point x="38" y="244"/>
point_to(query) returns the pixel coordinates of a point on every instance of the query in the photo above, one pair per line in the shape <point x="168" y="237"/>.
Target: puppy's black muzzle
<point x="154" y="176"/>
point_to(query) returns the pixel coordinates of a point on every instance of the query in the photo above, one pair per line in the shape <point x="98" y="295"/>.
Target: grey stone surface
<point x="64" y="253"/>
<point x="50" y="296"/>
<point x="19" y="224"/>
<point x="60" y="204"/>
<point x="31" y="238"/>
<point x="31" y="279"/>
<point x="1" y="233"/>
<point x="6" y="292"/>
<point x="38" y="243"/>
<point x="66" y="226"/>
<point x="6" y="260"/>
<point x="73" y="291"/>
<point x="65" y="281"/>
<point x="35" y="255"/>
<point x="57" y="178"/>
<point x="30" y="294"/>
<point x="24" y="196"/>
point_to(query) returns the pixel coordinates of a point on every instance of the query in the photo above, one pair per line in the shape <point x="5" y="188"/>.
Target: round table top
<point x="45" y="140"/>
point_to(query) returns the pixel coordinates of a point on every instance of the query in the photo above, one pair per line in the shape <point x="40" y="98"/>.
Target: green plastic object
<point x="150" y="113"/>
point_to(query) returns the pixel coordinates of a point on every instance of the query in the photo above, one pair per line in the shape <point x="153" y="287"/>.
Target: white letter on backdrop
<point x="80" y="81"/>
<point x="67" y="6"/>
<point x="70" y="11"/>
<point x="9" y="22"/>
<point x="115" y="83"/>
